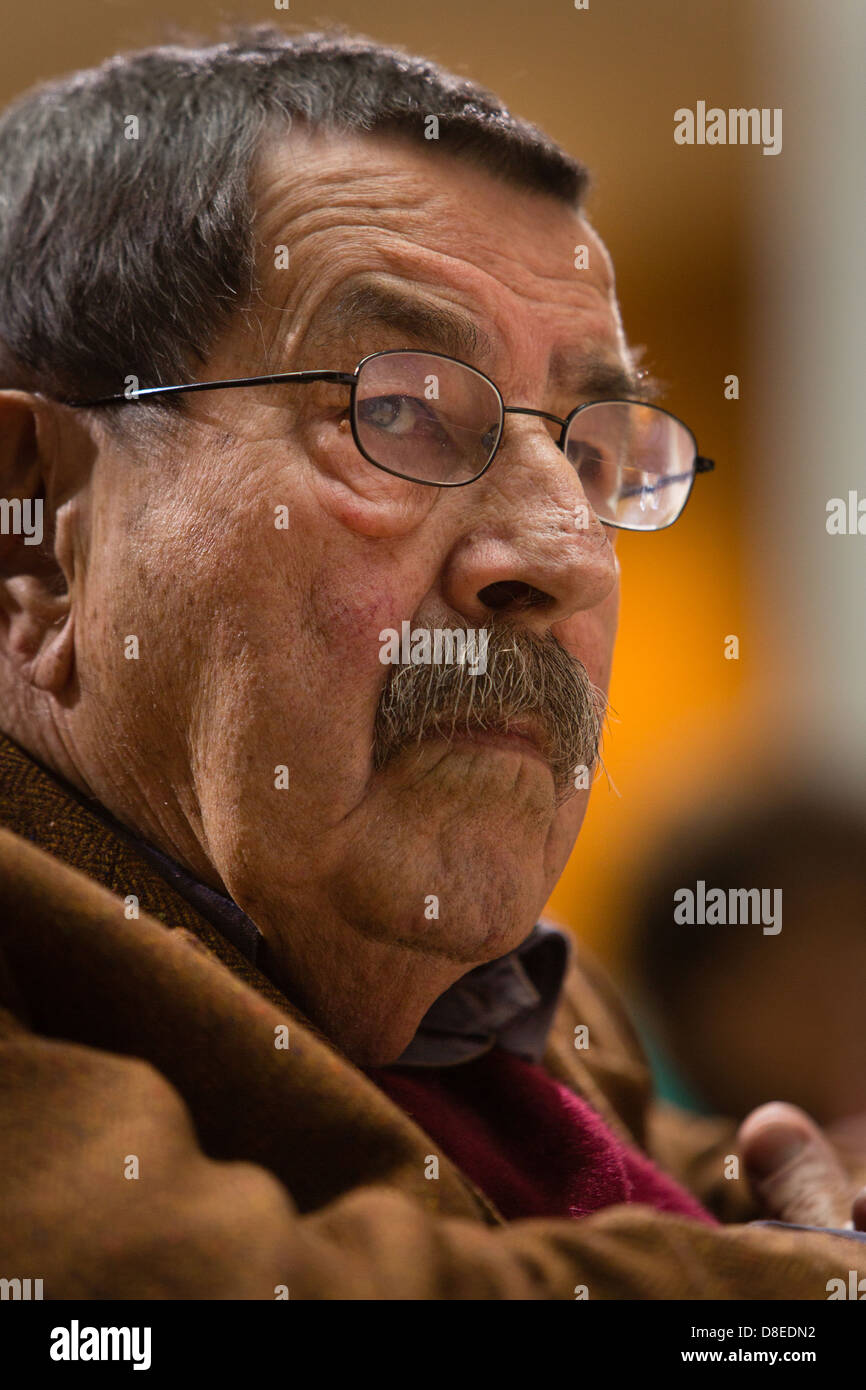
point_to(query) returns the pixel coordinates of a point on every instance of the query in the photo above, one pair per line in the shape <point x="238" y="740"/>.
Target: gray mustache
<point x="527" y="676"/>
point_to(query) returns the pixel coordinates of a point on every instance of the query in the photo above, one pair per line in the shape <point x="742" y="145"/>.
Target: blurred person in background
<point x="736" y="1014"/>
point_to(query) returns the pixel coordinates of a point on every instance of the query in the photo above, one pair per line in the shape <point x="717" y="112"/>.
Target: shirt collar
<point x="510" y="1001"/>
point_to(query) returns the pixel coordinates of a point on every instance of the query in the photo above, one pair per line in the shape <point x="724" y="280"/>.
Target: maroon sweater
<point x="528" y="1142"/>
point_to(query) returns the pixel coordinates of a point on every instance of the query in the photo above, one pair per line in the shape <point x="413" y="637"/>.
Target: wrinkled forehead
<point x="338" y="214"/>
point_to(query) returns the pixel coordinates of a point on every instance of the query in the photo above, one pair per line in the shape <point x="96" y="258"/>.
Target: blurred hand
<point x="795" y="1173"/>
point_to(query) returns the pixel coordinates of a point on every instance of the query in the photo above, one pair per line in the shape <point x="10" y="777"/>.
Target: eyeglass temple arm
<point x="702" y="465"/>
<point x="339" y="378"/>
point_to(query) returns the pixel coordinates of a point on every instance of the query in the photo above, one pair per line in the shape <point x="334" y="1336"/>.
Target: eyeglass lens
<point x="426" y="417"/>
<point x="431" y="419"/>
<point x="636" y="464"/>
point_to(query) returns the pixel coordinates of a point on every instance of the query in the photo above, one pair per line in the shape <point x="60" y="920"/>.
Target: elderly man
<point x="279" y="1014"/>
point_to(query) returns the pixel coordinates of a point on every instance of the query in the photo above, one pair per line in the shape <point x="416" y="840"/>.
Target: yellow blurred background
<point x="728" y="262"/>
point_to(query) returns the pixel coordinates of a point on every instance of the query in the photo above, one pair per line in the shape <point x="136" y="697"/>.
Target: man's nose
<point x="530" y="543"/>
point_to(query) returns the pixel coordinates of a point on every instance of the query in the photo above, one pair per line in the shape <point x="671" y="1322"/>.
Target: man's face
<point x="376" y="887"/>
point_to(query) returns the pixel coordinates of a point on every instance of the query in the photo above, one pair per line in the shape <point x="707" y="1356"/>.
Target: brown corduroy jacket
<point x="359" y="1217"/>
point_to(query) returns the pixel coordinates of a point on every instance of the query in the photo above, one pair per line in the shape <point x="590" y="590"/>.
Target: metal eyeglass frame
<point x="701" y="465"/>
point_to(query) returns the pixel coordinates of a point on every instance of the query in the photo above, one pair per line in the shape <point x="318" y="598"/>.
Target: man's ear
<point x="45" y="458"/>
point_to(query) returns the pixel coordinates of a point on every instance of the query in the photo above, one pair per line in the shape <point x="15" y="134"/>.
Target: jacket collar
<point x="510" y="1001"/>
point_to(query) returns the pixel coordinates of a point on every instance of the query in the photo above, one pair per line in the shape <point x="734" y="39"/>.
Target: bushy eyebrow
<point x="598" y="377"/>
<point x="373" y="302"/>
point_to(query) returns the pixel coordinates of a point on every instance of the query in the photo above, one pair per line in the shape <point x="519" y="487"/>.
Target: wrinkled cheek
<point x="352" y="606"/>
<point x="358" y="495"/>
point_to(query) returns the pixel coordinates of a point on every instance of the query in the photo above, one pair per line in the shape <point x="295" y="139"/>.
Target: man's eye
<point x="398" y="415"/>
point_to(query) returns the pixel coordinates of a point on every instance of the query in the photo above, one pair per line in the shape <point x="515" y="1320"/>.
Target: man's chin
<point x="483" y="776"/>
<point x="400" y="920"/>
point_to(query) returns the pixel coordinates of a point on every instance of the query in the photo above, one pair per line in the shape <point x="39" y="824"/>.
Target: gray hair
<point x="123" y="255"/>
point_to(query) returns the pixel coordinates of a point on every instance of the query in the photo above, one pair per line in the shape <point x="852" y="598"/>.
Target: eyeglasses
<point x="434" y="420"/>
